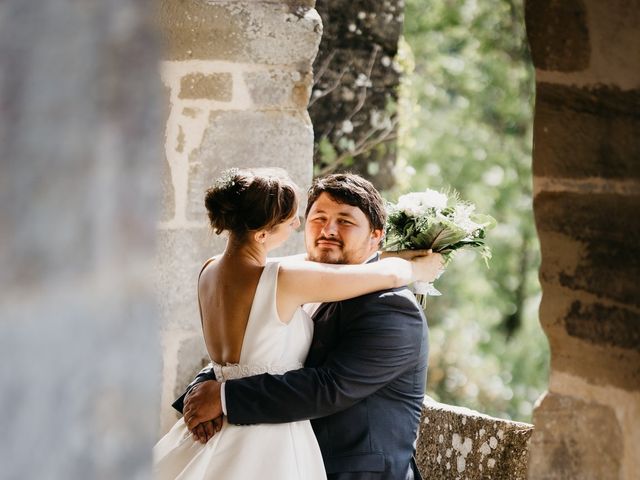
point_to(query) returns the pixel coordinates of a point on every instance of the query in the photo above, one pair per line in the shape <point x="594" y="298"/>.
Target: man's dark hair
<point x="351" y="189"/>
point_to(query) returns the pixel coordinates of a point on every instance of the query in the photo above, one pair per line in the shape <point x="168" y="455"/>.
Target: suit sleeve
<point x="381" y="337"/>
<point x="205" y="374"/>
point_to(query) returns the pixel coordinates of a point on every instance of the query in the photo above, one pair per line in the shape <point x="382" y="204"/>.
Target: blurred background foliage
<point x="465" y="122"/>
<point x="454" y="109"/>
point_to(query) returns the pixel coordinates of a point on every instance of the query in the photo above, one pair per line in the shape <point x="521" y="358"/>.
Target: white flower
<point x="434" y="199"/>
<point x="462" y="217"/>
<point x="410" y="204"/>
<point x="417" y="203"/>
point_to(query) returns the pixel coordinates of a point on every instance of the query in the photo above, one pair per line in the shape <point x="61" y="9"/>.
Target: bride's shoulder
<point x="207" y="264"/>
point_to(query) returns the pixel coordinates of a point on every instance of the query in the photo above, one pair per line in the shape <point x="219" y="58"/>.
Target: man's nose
<point x="329" y="229"/>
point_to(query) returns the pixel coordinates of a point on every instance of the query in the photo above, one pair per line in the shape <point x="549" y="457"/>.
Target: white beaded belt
<point x="235" y="370"/>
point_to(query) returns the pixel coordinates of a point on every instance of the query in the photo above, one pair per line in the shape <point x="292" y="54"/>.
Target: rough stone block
<point x="586" y="132"/>
<point x="217" y="86"/>
<point x="252" y="32"/>
<point x="455" y="442"/>
<point x="279" y="89"/>
<point x="575" y="439"/>
<point x="602" y="324"/>
<point x="600" y="349"/>
<point x="558" y="34"/>
<point x="606" y="230"/>
<point x="613" y="28"/>
<point x="249" y="139"/>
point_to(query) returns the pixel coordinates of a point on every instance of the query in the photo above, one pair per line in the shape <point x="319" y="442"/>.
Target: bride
<point x="252" y="323"/>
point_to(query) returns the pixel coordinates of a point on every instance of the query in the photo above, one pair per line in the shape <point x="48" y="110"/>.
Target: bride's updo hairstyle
<point x="242" y="200"/>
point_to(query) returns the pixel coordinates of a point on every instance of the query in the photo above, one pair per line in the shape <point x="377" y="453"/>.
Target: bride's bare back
<point x="226" y="290"/>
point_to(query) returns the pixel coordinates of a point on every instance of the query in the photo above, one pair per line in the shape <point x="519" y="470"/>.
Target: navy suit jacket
<point x="362" y="387"/>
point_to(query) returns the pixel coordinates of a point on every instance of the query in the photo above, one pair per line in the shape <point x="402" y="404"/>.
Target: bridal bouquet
<point x="435" y="220"/>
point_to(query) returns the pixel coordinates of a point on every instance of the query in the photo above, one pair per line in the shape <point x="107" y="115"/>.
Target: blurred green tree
<point x="466" y="115"/>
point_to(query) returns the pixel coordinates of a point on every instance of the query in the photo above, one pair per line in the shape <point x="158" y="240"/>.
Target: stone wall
<point x="237" y="78"/>
<point x="455" y="442"/>
<point x="587" y="195"/>
<point x="80" y="136"/>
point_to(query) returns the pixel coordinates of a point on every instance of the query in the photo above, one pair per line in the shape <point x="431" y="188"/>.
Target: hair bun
<point x="244" y="200"/>
<point x="222" y="201"/>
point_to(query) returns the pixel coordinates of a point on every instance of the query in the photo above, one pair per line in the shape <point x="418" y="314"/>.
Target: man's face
<point x="338" y="233"/>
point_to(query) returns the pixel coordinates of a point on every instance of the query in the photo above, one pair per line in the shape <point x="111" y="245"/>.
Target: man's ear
<point x="376" y="237"/>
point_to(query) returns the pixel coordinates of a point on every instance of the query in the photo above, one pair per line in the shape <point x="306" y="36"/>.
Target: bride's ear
<point x="260" y="236"/>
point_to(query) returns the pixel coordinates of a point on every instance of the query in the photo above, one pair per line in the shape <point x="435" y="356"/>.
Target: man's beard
<point x="327" y="257"/>
<point x="330" y="256"/>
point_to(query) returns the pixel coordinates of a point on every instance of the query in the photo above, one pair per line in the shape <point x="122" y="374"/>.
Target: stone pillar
<point x="238" y="79"/>
<point x="587" y="195"/>
<point x="354" y="101"/>
<point x="80" y="136"/>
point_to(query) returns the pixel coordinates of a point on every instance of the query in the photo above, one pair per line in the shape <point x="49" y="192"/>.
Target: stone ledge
<point x="456" y="442"/>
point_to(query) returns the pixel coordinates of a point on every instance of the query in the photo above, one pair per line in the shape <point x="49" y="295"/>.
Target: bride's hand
<point x="406" y="254"/>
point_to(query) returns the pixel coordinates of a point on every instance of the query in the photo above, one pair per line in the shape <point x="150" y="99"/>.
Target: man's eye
<point x="345" y="222"/>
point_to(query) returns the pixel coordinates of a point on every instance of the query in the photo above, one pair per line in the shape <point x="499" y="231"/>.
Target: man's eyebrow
<point x="340" y="214"/>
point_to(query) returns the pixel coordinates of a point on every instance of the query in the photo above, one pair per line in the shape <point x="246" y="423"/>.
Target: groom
<point x="363" y="381"/>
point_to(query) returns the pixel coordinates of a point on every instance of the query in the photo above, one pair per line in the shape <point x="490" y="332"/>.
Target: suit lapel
<point x="320" y="311"/>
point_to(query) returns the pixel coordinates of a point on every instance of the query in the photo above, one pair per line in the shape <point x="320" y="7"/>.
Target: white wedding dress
<point x="286" y="451"/>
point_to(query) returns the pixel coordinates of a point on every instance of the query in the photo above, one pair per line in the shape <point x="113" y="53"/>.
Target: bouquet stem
<point x="422" y="290"/>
